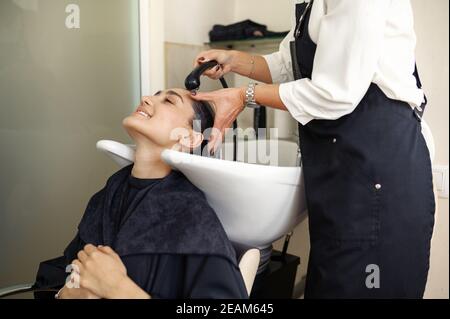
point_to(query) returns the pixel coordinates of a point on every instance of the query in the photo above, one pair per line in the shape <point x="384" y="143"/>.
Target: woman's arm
<point x="102" y="272"/>
<point x="75" y="293"/>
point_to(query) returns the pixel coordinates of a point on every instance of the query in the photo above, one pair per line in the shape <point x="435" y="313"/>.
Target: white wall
<point x="277" y="15"/>
<point x="189" y="22"/>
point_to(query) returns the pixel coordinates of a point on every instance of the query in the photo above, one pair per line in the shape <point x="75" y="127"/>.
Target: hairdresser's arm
<point x="253" y="66"/>
<point x="230" y="102"/>
<point x="245" y="64"/>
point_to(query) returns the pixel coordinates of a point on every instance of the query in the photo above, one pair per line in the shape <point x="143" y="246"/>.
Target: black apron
<point x="369" y="191"/>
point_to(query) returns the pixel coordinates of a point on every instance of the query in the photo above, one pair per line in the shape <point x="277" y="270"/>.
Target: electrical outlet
<point x="440" y="180"/>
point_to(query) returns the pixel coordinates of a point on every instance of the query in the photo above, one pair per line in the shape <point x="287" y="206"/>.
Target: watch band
<point x="250" y="98"/>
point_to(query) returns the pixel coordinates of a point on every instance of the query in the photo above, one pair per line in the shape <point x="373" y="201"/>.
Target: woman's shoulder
<point x="180" y="197"/>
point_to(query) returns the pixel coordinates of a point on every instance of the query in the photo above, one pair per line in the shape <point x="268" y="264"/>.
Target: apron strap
<point x="300" y="12"/>
<point x="419" y="111"/>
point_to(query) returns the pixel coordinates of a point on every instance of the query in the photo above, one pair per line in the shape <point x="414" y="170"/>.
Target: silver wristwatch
<point x="250" y="99"/>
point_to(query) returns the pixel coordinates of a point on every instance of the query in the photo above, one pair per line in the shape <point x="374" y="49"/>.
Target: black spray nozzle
<point x="192" y="82"/>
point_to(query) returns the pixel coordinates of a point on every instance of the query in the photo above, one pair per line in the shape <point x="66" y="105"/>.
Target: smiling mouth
<point x="143" y="112"/>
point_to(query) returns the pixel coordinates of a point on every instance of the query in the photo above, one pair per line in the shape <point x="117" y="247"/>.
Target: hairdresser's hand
<point x="228" y="104"/>
<point x="225" y="58"/>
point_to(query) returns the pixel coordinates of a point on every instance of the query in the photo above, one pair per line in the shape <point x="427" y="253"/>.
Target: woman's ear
<point x="192" y="141"/>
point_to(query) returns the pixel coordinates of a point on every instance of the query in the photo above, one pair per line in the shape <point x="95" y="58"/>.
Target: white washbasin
<point x="257" y="204"/>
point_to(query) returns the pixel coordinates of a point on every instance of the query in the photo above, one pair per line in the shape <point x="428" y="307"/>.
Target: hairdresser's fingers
<point x="224" y="119"/>
<point x="204" y="96"/>
<point x="215" y="73"/>
<point x="223" y="57"/>
<point x="218" y="130"/>
<point x="221" y="125"/>
<point x="200" y="58"/>
<point x="210" y="55"/>
<point x="226" y="68"/>
<point x="204" y="57"/>
<point x="198" y="61"/>
<point x="211" y="73"/>
<point x="215" y="139"/>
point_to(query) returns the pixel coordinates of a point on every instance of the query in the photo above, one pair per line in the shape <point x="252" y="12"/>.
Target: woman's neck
<point x="148" y="163"/>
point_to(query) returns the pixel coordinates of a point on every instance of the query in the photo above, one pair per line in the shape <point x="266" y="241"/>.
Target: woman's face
<point x="164" y="119"/>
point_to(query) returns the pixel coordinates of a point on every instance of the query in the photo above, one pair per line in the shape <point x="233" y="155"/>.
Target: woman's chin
<point x="127" y="123"/>
<point x="132" y="125"/>
<point x="133" y="122"/>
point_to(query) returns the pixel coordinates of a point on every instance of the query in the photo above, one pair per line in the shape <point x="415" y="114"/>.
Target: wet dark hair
<point x="203" y="119"/>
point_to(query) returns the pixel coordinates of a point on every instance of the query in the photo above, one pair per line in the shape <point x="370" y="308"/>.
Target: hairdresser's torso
<point x="394" y="47"/>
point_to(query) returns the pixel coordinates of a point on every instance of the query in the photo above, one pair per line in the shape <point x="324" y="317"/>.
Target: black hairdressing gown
<point x="168" y="237"/>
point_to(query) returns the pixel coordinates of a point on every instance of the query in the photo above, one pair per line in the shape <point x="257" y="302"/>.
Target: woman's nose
<point x="146" y="100"/>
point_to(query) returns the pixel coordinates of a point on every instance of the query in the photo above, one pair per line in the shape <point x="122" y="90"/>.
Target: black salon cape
<point x="170" y="240"/>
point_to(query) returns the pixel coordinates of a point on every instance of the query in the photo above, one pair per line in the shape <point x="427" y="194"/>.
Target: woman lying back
<point x="149" y="233"/>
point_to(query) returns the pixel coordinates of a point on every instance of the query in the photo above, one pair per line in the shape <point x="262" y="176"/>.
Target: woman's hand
<point x="102" y="272"/>
<point x="225" y="59"/>
<point x="228" y="104"/>
<point x="76" y="293"/>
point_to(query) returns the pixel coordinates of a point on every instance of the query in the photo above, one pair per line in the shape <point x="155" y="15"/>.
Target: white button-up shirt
<point x="359" y="42"/>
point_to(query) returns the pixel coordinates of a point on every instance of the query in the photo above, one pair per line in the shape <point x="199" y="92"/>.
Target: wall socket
<point x="440" y="179"/>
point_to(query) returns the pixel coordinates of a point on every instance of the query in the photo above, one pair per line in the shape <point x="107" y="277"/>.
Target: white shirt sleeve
<point x="280" y="63"/>
<point x="349" y="45"/>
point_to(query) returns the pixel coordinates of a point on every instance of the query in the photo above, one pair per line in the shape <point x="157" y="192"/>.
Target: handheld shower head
<point x="192" y="82"/>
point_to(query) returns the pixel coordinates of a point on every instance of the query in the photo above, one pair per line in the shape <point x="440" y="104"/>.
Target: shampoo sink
<point x="257" y="204"/>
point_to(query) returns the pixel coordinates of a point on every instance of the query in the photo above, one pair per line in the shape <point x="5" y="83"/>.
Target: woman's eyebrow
<point x="170" y="92"/>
